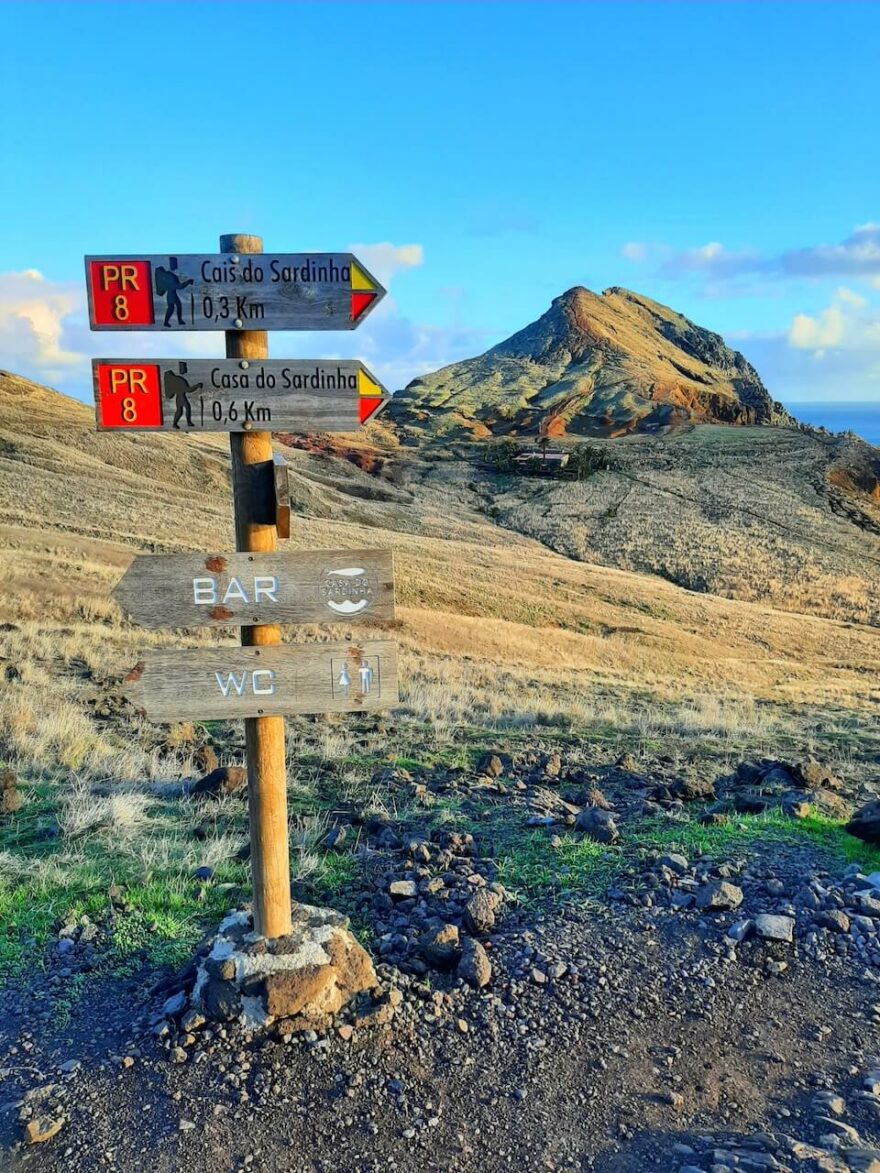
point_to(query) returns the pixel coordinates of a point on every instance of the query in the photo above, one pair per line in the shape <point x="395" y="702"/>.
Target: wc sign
<point x="212" y="683"/>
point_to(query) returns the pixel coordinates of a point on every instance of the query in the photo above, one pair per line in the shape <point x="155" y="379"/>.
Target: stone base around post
<point x="297" y="982"/>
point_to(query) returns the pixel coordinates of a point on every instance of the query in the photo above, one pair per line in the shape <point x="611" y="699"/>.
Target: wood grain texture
<point x="297" y="586"/>
<point x="302" y="395"/>
<point x="215" y="293"/>
<point x="224" y="683"/>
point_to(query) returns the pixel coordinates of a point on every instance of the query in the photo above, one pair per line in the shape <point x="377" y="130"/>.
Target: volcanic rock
<point x="865" y="823"/>
<point x="439" y="946"/>
<point x="221" y="782"/>
<point x="719" y="896"/>
<point x="475" y="967"/>
<point x="774" y="928"/>
<point x="479" y="912"/>
<point x="306" y="976"/>
<point x="591" y="365"/>
<point x="597" y="824"/>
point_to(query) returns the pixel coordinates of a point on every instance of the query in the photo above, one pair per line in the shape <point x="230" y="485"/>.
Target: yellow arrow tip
<point x="359" y="279"/>
<point x="366" y="385"/>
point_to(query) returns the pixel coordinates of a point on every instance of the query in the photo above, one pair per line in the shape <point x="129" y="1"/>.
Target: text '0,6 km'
<point x="262" y="291"/>
<point x="234" y="395"/>
<point x="218" y="590"/>
<point x="262" y="681"/>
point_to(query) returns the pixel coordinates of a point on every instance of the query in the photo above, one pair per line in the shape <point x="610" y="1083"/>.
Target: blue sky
<point x="486" y="156"/>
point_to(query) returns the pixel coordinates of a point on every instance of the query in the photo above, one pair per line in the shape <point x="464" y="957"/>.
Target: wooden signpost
<point x="232" y="291"/>
<point x="255" y="681"/>
<point x="245" y="292"/>
<point x="205" y="395"/>
<point x="220" y="590"/>
<point x="281" y="477"/>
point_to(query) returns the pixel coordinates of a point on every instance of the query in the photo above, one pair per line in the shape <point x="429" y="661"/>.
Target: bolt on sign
<point x="260" y="291"/>
<point x="261" y="681"/>
<point x="235" y="395"/>
<point x="221" y="590"/>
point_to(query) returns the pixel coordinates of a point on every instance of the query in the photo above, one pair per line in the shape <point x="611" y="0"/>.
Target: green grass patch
<point x="531" y="867"/>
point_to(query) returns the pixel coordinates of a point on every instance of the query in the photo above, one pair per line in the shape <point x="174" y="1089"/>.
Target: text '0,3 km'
<point x="221" y="590"/>
<point x="235" y="395"/>
<point x="262" y="681"/>
<point x="261" y="291"/>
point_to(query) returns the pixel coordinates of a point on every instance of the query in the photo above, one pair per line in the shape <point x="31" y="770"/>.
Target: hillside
<point x="591" y="365"/>
<point x="539" y="692"/>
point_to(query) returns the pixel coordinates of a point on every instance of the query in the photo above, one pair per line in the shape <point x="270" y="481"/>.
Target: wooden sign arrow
<point x="234" y="395"/>
<point x="260" y="291"/>
<point x="223" y="590"/>
<point x="204" y="684"/>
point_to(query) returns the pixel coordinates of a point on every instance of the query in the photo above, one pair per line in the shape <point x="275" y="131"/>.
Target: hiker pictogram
<point x="168" y="285"/>
<point x="178" y="389"/>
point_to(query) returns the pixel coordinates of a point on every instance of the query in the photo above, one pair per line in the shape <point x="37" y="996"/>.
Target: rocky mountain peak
<point x="593" y="364"/>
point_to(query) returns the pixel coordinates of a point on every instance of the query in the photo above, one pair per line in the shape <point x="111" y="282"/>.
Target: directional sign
<point x="234" y="395"/>
<point x="261" y="291"/>
<point x="223" y="590"/>
<point x="261" y="681"/>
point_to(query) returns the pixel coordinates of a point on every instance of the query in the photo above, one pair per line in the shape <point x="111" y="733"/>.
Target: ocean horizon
<point x="862" y="418"/>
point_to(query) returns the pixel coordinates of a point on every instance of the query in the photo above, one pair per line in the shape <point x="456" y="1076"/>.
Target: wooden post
<point x="254" y="499"/>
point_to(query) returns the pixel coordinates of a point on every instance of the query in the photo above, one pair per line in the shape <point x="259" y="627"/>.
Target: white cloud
<point x="32" y="315"/>
<point x="848" y="323"/>
<point x="385" y="260"/>
<point x="636" y="250"/>
<point x="857" y="256"/>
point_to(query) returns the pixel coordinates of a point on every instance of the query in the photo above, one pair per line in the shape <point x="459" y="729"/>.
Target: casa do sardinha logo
<point x="348" y="590"/>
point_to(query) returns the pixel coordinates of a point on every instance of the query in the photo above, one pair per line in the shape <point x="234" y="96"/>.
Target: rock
<point x="863" y="1160"/>
<point x="834" y="919"/>
<point x="553" y="765"/>
<point x="322" y="974"/>
<point x="830" y="1103"/>
<point x="740" y="930"/>
<point x="220" y="782"/>
<point x="676" y="863"/>
<point x="865" y="823"/>
<point x="192" y="1020"/>
<point x="719" y="896"/>
<point x="306" y="976"/>
<point x="479" y="912"/>
<point x="491" y="765"/>
<point x="811" y="775"/>
<point x="475" y="967"/>
<point x="440" y="946"/>
<point x="692" y="789"/>
<point x="597" y="824"/>
<point x="221" y="1000"/>
<point x="403" y="889"/>
<point x="796" y="808"/>
<point x="42" y="1128"/>
<point x="175" y="1005"/>
<point x="774" y="928"/>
